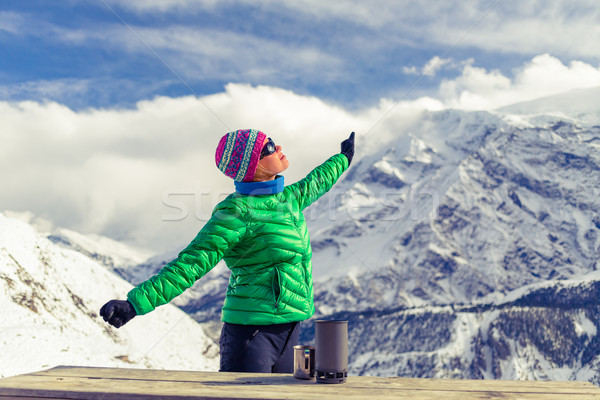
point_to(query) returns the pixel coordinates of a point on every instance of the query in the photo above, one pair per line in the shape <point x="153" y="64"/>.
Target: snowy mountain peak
<point x="579" y="106"/>
<point x="106" y="251"/>
<point x="494" y="207"/>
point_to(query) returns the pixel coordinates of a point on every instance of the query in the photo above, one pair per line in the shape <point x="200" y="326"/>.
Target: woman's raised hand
<point x="348" y="148"/>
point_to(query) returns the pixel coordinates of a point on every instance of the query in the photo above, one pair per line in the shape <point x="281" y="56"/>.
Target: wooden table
<point x="126" y="384"/>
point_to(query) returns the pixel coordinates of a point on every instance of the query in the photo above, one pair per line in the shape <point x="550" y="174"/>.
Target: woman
<point x="260" y="232"/>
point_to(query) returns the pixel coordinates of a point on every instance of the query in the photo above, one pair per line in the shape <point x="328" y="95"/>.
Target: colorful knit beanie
<point x="238" y="154"/>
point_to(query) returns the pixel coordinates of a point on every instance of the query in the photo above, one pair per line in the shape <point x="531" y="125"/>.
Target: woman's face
<point x="271" y="165"/>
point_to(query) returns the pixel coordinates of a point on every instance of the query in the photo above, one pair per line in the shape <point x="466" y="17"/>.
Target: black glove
<point x="117" y="312"/>
<point x="348" y="148"/>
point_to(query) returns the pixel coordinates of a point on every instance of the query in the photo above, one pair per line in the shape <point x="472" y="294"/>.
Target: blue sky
<point x="111" y="108"/>
<point x="110" y="53"/>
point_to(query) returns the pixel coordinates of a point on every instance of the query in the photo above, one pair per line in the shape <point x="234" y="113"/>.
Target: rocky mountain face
<point x="549" y="333"/>
<point x="433" y="274"/>
<point x="501" y="208"/>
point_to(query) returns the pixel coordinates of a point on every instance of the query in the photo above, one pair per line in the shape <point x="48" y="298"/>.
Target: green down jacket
<point x="264" y="242"/>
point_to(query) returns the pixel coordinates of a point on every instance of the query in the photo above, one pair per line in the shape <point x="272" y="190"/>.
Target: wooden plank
<point x="109" y="384"/>
<point x="26" y="398"/>
<point x="355" y="382"/>
<point x="103" y="389"/>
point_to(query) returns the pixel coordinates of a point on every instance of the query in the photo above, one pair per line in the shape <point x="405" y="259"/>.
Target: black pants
<point x="258" y="348"/>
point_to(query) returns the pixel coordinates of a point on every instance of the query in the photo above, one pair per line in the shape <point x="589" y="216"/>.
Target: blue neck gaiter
<point x="260" y="188"/>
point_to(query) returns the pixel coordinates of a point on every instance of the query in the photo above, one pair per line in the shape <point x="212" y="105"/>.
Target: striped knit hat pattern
<point x="238" y="154"/>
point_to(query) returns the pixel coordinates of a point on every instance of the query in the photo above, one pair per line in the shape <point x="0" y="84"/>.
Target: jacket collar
<point x="260" y="188"/>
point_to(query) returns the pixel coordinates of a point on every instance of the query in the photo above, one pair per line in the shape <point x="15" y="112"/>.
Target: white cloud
<point x="109" y="171"/>
<point x="434" y="65"/>
<point x="20" y="24"/>
<point x="226" y="55"/>
<point x="44" y="89"/>
<point x="10" y="22"/>
<point x="544" y="75"/>
<point x="412" y="70"/>
<point x="431" y="67"/>
<point x="163" y="5"/>
<point x="566" y="27"/>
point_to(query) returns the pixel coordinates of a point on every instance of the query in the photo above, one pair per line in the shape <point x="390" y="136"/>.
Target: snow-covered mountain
<point x="105" y="251"/>
<point x="431" y="242"/>
<point x="50" y="297"/>
<point x="547" y="331"/>
<point x="470" y="180"/>
<point x="466" y="206"/>
<point x="485" y="207"/>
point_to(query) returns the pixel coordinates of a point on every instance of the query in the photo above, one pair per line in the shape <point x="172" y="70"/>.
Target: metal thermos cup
<point x="331" y="346"/>
<point x="304" y="362"/>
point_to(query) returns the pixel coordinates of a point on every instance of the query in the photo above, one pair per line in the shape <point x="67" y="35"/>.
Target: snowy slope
<point x="50" y="297"/>
<point x="106" y="251"/>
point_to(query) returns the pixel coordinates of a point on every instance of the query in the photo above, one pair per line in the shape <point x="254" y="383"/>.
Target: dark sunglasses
<point x="268" y="149"/>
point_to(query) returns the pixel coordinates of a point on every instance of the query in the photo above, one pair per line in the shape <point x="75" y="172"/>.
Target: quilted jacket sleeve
<point x="223" y="231"/>
<point x="319" y="180"/>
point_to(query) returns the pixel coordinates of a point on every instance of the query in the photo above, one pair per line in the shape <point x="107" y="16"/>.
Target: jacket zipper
<point x="304" y="244"/>
<point x="277" y="287"/>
